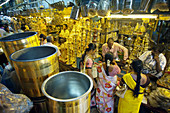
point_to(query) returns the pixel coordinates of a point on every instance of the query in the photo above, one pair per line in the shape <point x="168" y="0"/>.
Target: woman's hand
<point x="94" y="84"/>
<point x="96" y="63"/>
<point x="156" y="57"/>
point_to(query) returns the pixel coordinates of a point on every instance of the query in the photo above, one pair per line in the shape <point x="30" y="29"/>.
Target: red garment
<point x="104" y="92"/>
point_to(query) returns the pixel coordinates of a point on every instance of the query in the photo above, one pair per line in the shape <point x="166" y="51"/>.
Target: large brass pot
<point x="18" y="41"/>
<point x="68" y="92"/>
<point x="33" y="65"/>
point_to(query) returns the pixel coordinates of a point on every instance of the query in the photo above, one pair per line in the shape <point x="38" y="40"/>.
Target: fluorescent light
<point x="154" y="16"/>
<point x="67" y="17"/>
<point x="133" y="16"/>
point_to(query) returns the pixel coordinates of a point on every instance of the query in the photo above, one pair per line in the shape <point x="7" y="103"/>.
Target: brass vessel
<point x="68" y="92"/>
<point x="33" y="65"/>
<point x="18" y="41"/>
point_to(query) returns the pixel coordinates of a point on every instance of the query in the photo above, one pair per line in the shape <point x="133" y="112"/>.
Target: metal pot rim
<point x="65" y="100"/>
<point x="1" y="38"/>
<point x="33" y="59"/>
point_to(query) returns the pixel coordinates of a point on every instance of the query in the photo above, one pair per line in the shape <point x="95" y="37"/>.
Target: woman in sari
<point x="87" y="61"/>
<point x="107" y="82"/>
<point x="136" y="82"/>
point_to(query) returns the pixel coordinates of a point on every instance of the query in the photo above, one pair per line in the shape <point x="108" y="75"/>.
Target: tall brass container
<point x="68" y="92"/>
<point x="33" y="65"/>
<point x="18" y="41"/>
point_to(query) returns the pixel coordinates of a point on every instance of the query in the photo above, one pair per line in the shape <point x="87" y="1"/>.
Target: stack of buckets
<point x="35" y="65"/>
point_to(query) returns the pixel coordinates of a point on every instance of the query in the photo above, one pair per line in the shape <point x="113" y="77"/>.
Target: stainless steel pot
<point x="103" y="7"/>
<point x="18" y="41"/>
<point x="92" y="7"/>
<point x="60" y="5"/>
<point x="75" y="12"/>
<point x="68" y="92"/>
<point x="84" y="10"/>
<point x="127" y="6"/>
<point x="33" y="65"/>
<point x="115" y="6"/>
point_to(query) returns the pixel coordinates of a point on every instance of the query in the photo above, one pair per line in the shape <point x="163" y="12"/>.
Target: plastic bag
<point x="13" y="103"/>
<point x="11" y="81"/>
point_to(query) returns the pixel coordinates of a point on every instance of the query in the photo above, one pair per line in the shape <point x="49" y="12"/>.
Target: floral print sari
<point x="106" y="86"/>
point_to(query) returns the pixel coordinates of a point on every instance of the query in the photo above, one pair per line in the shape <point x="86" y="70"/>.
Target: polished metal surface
<point x="84" y="10"/>
<point x="40" y="105"/>
<point x="92" y="7"/>
<point x="115" y="6"/>
<point x="18" y="41"/>
<point x="68" y="92"/>
<point x="75" y="12"/>
<point x="160" y="5"/>
<point x="145" y="5"/>
<point x="33" y="65"/>
<point x="103" y="7"/>
<point x="127" y="6"/>
<point x="58" y="5"/>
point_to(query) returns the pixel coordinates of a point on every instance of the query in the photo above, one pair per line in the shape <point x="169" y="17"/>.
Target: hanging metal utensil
<point x="75" y="12"/>
<point x="92" y="7"/>
<point x="115" y="6"/>
<point x="145" y="5"/>
<point x="127" y="6"/>
<point x="84" y="10"/>
<point x="58" y="5"/>
<point x="103" y="7"/>
<point x="160" y="5"/>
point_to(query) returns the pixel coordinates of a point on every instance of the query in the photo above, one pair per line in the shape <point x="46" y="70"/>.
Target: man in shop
<point x="65" y="31"/>
<point x="154" y="62"/>
<point x="114" y="47"/>
<point x="49" y="43"/>
<point x="64" y="34"/>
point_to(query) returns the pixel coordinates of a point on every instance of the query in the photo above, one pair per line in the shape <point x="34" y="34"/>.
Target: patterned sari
<point x="130" y="104"/>
<point x="104" y="92"/>
<point x="88" y="65"/>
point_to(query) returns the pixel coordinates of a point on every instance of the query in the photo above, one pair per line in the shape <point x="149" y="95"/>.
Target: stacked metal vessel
<point x="66" y="92"/>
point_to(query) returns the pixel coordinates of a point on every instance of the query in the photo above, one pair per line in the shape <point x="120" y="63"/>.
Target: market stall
<point x="72" y="28"/>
